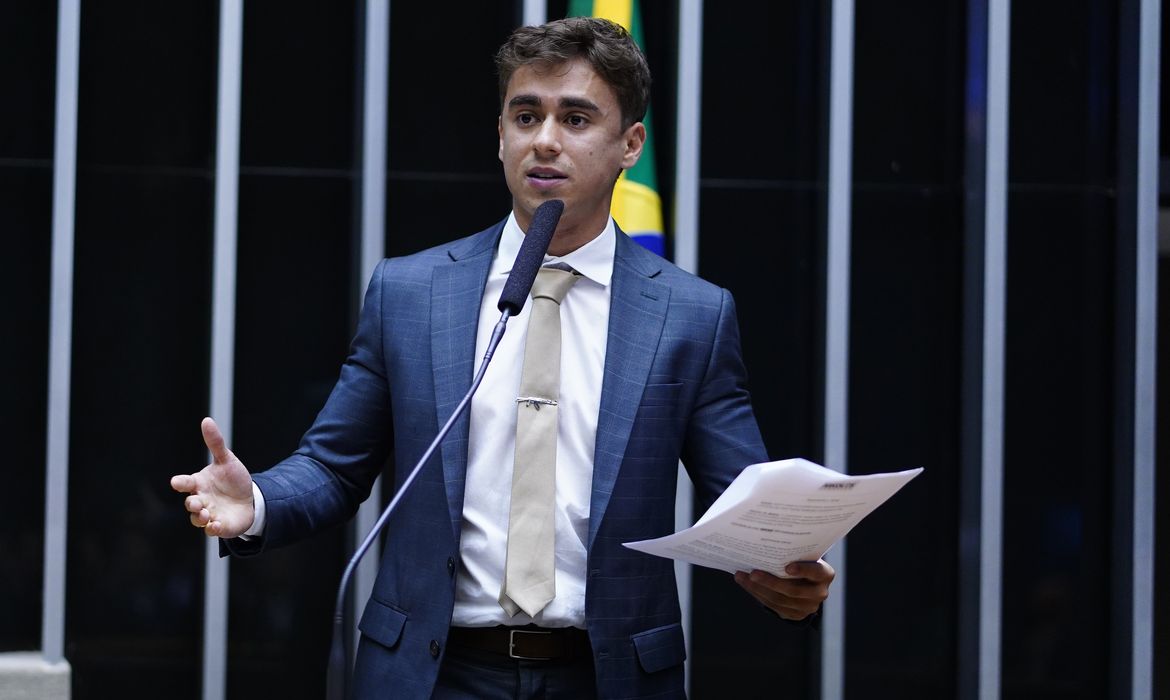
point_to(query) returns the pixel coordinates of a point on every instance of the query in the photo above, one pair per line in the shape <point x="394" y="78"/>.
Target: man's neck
<point x="571" y="235"/>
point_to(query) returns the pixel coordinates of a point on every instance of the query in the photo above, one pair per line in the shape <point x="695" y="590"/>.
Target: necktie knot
<point x="553" y="284"/>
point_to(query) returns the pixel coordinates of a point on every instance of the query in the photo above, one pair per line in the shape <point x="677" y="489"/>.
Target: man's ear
<point x="500" y="131"/>
<point x="635" y="138"/>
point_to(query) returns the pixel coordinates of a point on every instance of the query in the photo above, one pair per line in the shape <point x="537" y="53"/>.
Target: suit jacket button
<point x="434" y="649"/>
<point x="451" y="565"/>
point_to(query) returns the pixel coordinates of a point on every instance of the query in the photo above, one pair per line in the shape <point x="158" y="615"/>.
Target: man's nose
<point x="548" y="139"/>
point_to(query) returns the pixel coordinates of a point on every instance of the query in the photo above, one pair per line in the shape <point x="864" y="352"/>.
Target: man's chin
<point x="528" y="204"/>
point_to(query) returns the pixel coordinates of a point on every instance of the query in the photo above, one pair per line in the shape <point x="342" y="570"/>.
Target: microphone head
<point x="531" y="255"/>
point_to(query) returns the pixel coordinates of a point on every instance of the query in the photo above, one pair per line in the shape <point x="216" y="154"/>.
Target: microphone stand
<point x="337" y="674"/>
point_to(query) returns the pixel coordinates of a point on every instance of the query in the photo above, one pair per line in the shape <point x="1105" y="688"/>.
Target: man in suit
<point x="650" y="372"/>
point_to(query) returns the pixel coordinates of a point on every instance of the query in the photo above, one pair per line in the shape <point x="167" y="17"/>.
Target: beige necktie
<point x="529" y="582"/>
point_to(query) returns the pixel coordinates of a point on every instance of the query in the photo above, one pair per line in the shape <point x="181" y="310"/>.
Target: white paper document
<point x="777" y="513"/>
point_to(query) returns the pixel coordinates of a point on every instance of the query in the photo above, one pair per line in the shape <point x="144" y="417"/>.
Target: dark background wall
<point x="141" y="328"/>
<point x="28" y="32"/>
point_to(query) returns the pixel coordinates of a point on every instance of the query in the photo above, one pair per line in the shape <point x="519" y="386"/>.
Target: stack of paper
<point x="777" y="513"/>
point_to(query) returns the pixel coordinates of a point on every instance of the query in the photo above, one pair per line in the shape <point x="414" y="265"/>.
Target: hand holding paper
<point x="792" y="598"/>
<point x="777" y="513"/>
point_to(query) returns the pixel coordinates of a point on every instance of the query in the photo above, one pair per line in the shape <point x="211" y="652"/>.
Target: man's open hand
<point x="791" y="598"/>
<point x="220" y="499"/>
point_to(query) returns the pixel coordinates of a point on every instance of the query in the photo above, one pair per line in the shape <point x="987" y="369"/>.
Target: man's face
<point x="561" y="137"/>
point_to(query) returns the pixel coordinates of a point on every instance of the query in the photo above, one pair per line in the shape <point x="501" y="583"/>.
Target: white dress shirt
<point x="491" y="450"/>
<point x="492" y="439"/>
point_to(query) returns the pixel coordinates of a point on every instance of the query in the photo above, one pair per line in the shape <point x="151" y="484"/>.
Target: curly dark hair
<point x="606" y="45"/>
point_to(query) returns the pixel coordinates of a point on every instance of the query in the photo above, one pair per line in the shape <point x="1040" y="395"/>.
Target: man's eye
<point x="526" y="119"/>
<point x="576" y="120"/>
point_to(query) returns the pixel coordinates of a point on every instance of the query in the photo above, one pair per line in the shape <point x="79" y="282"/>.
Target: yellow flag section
<point x="636" y="207"/>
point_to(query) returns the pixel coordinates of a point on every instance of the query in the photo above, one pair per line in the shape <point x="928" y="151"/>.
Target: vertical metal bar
<point x="373" y="234"/>
<point x="1132" y="607"/>
<point x="223" y="321"/>
<point x="981" y="509"/>
<point x="994" y="331"/>
<point x="840" y="202"/>
<point x="686" y="238"/>
<point x="535" y="12"/>
<point x="60" y="330"/>
<point x="1145" y="381"/>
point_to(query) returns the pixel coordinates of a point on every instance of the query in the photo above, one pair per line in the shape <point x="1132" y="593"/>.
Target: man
<point x="650" y="372"/>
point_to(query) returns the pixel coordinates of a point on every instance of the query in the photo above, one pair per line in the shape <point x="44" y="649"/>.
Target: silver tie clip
<point x="535" y="401"/>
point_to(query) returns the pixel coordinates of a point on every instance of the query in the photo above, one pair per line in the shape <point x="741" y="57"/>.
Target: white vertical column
<point x="1145" y="359"/>
<point x="535" y="12"/>
<point x="686" y="237"/>
<point x="840" y="203"/>
<point x="60" y="330"/>
<point x="373" y="236"/>
<point x="223" y="321"/>
<point x="985" y="290"/>
<point x="994" y="332"/>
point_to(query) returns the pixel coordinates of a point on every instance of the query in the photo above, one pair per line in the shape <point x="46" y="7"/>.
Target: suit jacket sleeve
<point x="331" y="473"/>
<point x="722" y="436"/>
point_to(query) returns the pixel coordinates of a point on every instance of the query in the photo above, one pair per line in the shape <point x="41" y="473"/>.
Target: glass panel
<point x="905" y="345"/>
<point x="904" y="404"/>
<point x="140" y="339"/>
<point x="28" y="32"/>
<point x="1060" y="326"/>
<point x="448" y="184"/>
<point x="439" y="210"/>
<point x="301" y="74"/>
<point x="1057" y="444"/>
<point x="738" y="648"/>
<point x="762" y="192"/>
<point x="443" y="104"/>
<point x="295" y="307"/>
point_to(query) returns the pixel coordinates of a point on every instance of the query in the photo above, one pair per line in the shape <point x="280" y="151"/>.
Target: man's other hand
<point x="791" y="598"/>
<point x="220" y="500"/>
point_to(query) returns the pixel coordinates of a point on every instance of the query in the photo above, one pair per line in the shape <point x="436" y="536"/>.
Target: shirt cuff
<point x="257" y="529"/>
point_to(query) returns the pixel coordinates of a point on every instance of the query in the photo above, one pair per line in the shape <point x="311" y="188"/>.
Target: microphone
<point x="531" y="255"/>
<point x="516" y="291"/>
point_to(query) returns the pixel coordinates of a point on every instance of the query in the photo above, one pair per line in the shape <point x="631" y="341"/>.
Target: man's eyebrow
<point x="565" y="103"/>
<point x="579" y="103"/>
<point x="524" y="101"/>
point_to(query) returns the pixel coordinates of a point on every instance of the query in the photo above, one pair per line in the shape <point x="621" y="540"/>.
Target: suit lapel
<point x="456" y="294"/>
<point x="637" y="311"/>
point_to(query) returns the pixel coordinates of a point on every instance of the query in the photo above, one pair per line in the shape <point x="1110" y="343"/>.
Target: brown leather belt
<point x="529" y="643"/>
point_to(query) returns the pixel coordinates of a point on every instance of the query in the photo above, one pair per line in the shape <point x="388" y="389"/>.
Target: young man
<point x="650" y="372"/>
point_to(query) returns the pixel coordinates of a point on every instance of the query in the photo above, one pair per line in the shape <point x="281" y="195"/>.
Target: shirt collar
<point x="593" y="260"/>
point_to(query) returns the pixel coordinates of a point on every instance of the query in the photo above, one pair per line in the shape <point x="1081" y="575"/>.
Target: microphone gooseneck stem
<point x="338" y="672"/>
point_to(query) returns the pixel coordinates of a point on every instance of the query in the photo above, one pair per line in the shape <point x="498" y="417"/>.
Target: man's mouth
<point x="543" y="178"/>
<point x="546" y="174"/>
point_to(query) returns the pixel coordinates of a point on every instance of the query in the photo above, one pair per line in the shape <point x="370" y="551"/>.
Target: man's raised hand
<point x="220" y="499"/>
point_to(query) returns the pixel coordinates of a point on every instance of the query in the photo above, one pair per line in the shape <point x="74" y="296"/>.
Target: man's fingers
<point x="194" y="504"/>
<point x="793" y="599"/>
<point x="201" y="519"/>
<point x="214" y="441"/>
<point x="183" y="483"/>
<point x="818" y="571"/>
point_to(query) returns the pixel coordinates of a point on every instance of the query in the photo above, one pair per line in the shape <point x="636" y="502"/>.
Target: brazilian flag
<point x="636" y="208"/>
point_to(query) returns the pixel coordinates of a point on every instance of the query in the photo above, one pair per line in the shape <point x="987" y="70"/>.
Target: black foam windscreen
<point x="531" y="255"/>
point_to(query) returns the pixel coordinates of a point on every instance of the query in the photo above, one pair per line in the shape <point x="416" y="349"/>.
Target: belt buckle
<point x="512" y="646"/>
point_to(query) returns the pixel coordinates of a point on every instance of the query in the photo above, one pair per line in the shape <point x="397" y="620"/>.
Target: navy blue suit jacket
<point x="673" y="387"/>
